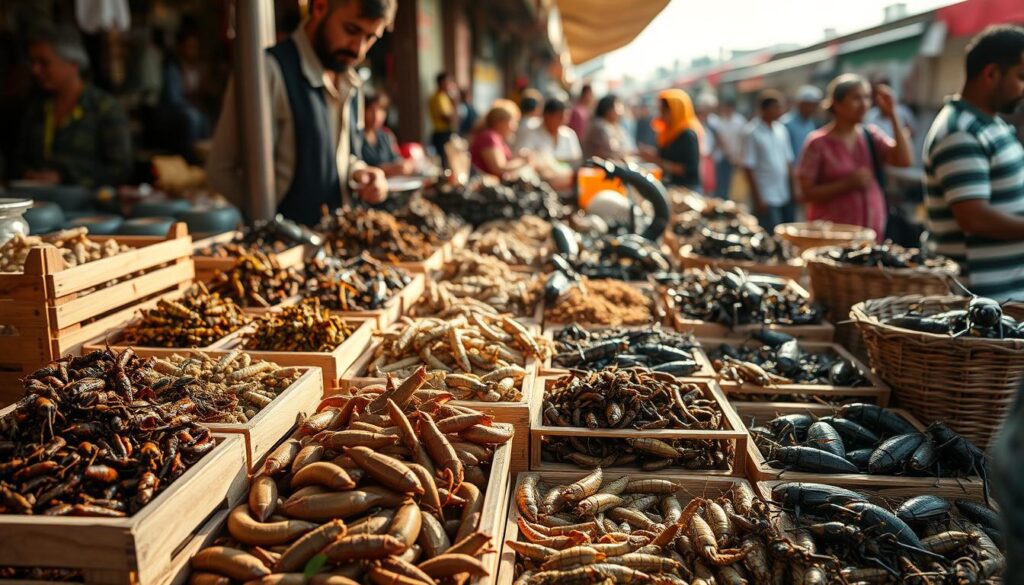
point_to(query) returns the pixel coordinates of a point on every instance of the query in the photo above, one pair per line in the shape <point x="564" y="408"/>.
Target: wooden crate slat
<point x="123" y="293"/>
<point x="123" y="265"/>
<point x="73" y="340"/>
<point x="274" y="422"/>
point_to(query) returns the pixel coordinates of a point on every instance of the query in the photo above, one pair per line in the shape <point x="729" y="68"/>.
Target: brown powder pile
<point x="602" y="302"/>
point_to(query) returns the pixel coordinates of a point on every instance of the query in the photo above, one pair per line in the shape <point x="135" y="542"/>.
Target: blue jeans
<point x="776" y="214"/>
<point x="723" y="178"/>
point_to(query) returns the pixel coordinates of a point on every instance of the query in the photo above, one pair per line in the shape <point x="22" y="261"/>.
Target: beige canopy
<point x="595" y="27"/>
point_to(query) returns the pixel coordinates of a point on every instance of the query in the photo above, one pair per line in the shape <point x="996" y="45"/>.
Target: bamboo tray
<point x="823" y="331"/>
<point x="208" y="266"/>
<point x="55" y="309"/>
<point x="687" y="258"/>
<point x="332" y="364"/>
<point x="138" y="549"/>
<point x="733" y="431"/>
<point x="759" y="470"/>
<point x="877" y="392"/>
<point x="691" y="486"/>
<point x="703" y="371"/>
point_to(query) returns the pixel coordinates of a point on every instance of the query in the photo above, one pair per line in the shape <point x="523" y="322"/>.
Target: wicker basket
<point x="841" y="286"/>
<point x="814" y="234"/>
<point x="967" y="382"/>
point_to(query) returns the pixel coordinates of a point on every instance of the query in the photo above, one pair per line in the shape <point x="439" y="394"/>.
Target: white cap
<point x="707" y="99"/>
<point x="808" y="94"/>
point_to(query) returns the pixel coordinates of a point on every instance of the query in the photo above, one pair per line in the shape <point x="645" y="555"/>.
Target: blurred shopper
<point x="768" y="163"/>
<point x="841" y="163"/>
<point x="444" y="115"/>
<point x="554" y="148"/>
<point x="312" y="81"/>
<point x="77" y="134"/>
<point x="490" y="150"/>
<point x="553" y="139"/>
<point x="711" y="148"/>
<point x="605" y="136"/>
<point x="877" y="117"/>
<point x="680" y="135"/>
<point x="530" y="105"/>
<point x="974" y="169"/>
<point x="379" y="144"/>
<point x="582" y="111"/>
<point x="467" y="112"/>
<point x="181" y="96"/>
<point x="803" y="119"/>
<point x="645" y="134"/>
<point x="729" y="125"/>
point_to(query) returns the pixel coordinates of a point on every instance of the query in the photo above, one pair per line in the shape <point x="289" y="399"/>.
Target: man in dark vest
<point x="313" y="90"/>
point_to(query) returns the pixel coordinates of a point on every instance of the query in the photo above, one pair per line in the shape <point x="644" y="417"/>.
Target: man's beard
<point x="1011" y="108"/>
<point x="331" y="59"/>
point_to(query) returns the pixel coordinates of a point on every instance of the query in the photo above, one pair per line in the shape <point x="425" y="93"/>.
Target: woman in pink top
<point x="489" y="150"/>
<point x="837" y="169"/>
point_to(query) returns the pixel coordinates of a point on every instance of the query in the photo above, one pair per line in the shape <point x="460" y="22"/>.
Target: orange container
<point x="590" y="182"/>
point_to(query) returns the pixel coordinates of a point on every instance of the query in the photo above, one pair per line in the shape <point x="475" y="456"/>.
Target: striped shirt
<point x="971" y="155"/>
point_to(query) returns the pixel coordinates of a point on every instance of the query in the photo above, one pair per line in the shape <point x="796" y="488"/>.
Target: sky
<point x="687" y="29"/>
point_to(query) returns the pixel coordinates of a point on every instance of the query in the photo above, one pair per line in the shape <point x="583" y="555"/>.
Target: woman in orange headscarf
<point x="680" y="136"/>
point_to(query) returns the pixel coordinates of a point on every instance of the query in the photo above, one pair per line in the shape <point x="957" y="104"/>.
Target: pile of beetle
<point x="350" y="232"/>
<point x="485" y="200"/>
<point x="197" y="319"/>
<point x="778" y="358"/>
<point x="735" y="297"/>
<point x="384" y="487"/>
<point x="638" y="399"/>
<point x="361" y="283"/>
<point x="866" y="438"/>
<point x="90" y="437"/>
<point x="982" y="318"/>
<point x="623" y="257"/>
<point x="257" y="280"/>
<point x="655" y="348"/>
<point x="853" y="538"/>
<point x="886" y="255"/>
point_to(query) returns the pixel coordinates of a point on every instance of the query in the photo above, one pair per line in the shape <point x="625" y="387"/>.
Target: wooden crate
<point x="137" y="549"/>
<point x="734" y="431"/>
<point x="429" y="264"/>
<point x="204" y="537"/>
<point x="332" y="364"/>
<point x="877" y="392"/>
<point x="457" y="242"/>
<point x="823" y="331"/>
<point x="278" y="419"/>
<point x="516" y="414"/>
<point x="691" y="486"/>
<point x="207" y="267"/>
<point x="548" y="369"/>
<point x="395" y="307"/>
<point x="56" y="309"/>
<point x="687" y="258"/>
<point x="492" y="522"/>
<point x="759" y="470"/>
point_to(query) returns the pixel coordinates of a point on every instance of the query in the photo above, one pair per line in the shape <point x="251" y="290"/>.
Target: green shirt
<point x="971" y="155"/>
<point x="91" y="148"/>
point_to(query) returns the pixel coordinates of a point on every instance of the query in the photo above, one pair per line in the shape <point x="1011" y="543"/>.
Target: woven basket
<point x="814" y="234"/>
<point x="967" y="382"/>
<point x="841" y="286"/>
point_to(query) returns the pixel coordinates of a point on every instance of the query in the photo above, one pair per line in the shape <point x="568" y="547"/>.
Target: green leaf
<point x="314" y="565"/>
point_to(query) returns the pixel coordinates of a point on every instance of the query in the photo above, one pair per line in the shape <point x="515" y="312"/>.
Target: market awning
<point x="973" y="16"/>
<point x="595" y="27"/>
